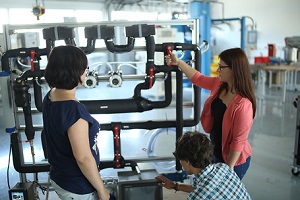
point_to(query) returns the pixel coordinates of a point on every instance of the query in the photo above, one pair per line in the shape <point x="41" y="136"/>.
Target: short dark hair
<point x="194" y="147"/>
<point x="66" y="64"/>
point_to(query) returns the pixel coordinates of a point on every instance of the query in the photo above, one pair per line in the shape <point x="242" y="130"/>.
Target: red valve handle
<point x="117" y="142"/>
<point x="151" y="76"/>
<point x="32" y="55"/>
<point x="169" y="49"/>
<point x="118" y="164"/>
<point x="116" y="135"/>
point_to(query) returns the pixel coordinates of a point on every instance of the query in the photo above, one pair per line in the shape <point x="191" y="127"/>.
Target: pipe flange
<point x="115" y="80"/>
<point x="90" y="82"/>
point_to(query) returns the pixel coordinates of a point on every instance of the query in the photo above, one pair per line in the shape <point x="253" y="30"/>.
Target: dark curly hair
<point x="66" y="64"/>
<point x="194" y="147"/>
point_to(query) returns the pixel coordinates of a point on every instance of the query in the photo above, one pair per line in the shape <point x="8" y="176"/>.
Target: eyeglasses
<point x="221" y="67"/>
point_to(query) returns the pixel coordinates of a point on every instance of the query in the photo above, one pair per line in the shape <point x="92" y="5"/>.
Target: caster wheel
<point x="295" y="173"/>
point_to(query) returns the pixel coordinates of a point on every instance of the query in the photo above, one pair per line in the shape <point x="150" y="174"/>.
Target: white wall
<point x="276" y="19"/>
<point x="164" y="7"/>
<point x="50" y="4"/>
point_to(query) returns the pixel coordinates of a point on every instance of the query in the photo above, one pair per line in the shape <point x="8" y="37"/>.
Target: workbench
<point x="288" y="79"/>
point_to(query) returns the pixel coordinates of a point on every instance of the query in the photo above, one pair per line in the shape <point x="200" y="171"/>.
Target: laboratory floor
<point x="272" y="138"/>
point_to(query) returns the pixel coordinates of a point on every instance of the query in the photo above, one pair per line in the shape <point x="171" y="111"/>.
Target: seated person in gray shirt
<point x="212" y="181"/>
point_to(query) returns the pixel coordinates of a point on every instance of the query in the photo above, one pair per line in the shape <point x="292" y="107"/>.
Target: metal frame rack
<point x="22" y="90"/>
<point x="192" y="23"/>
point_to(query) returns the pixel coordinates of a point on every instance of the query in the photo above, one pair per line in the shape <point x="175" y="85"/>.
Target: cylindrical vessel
<point x="290" y="54"/>
<point x="8" y="113"/>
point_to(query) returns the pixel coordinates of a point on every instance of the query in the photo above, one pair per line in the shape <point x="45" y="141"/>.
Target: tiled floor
<point x="272" y="138"/>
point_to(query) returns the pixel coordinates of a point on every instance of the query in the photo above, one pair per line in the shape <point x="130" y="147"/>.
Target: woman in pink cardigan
<point x="229" y="110"/>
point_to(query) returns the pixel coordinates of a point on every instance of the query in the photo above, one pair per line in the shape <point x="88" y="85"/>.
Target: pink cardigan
<point x="237" y="120"/>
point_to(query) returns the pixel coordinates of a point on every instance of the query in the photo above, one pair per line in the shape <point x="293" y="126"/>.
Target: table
<point x="290" y="77"/>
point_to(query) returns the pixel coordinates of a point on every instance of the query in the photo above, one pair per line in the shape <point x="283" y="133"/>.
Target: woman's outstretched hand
<point x="172" y="59"/>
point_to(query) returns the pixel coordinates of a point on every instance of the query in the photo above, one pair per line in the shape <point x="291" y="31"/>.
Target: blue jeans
<point x="240" y="170"/>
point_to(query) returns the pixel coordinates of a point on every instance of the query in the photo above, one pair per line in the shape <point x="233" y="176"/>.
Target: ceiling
<point x="125" y="1"/>
<point x="119" y="4"/>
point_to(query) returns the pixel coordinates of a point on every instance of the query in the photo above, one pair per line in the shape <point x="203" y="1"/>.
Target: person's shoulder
<point x="75" y="103"/>
<point x="221" y="165"/>
<point x="241" y="100"/>
<point x="222" y="168"/>
<point x="72" y="107"/>
<point x="80" y="107"/>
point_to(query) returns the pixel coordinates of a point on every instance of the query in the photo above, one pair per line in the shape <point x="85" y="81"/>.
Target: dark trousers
<point x="240" y="170"/>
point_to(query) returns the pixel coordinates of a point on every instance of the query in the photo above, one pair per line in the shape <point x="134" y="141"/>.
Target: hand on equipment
<point x="166" y="183"/>
<point x="172" y="59"/>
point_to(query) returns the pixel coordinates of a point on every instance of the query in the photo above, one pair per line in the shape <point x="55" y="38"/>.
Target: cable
<point x="7" y="171"/>
<point x="253" y="26"/>
<point x="37" y="82"/>
<point x="43" y="189"/>
<point x="150" y="149"/>
<point x="130" y="65"/>
<point x="48" y="186"/>
<point x="20" y="63"/>
<point x="101" y="64"/>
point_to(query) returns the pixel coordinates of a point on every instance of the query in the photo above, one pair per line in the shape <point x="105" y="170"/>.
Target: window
<point x="132" y="16"/>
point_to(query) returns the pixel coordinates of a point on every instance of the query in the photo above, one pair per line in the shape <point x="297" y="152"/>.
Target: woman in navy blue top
<point x="70" y="130"/>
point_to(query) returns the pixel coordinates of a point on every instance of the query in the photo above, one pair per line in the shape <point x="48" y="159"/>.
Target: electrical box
<point x="22" y="191"/>
<point x="25" y="40"/>
<point x="30" y="39"/>
<point x="164" y="35"/>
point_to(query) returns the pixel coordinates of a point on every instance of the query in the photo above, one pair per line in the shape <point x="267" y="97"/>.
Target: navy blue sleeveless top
<point x="58" y="117"/>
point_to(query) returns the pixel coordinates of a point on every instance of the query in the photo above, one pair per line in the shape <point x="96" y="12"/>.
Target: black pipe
<point x="137" y="103"/>
<point x="32" y="74"/>
<point x="175" y="46"/>
<point x="168" y="94"/>
<point x="50" y="44"/>
<point x="37" y="87"/>
<point x="29" y="129"/>
<point x="150" y="125"/>
<point x="21" y="52"/>
<point x="18" y="158"/>
<point x="150" y="47"/>
<point x="141" y="86"/>
<point x="37" y="94"/>
<point x="90" y="47"/>
<point x="36" y="75"/>
<point x="197" y="92"/>
<point x="165" y="124"/>
<point x="179" y="110"/>
<point x="120" y="48"/>
<point x="110" y="164"/>
<point x="23" y="99"/>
